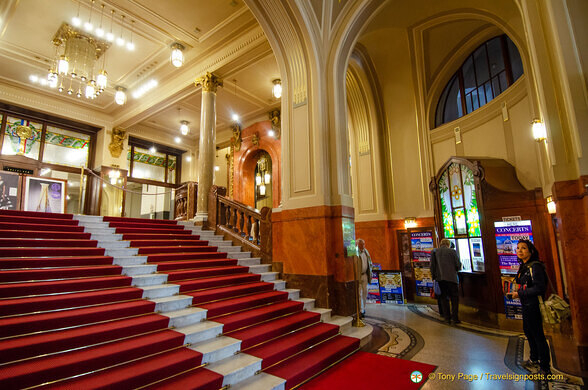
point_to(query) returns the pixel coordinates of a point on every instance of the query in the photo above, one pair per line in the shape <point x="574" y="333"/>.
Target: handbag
<point x="553" y="310"/>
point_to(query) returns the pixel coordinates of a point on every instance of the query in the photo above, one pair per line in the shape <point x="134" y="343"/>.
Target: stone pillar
<point x="209" y="83"/>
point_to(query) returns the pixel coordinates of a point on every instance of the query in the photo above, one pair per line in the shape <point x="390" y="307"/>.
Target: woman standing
<point x="533" y="280"/>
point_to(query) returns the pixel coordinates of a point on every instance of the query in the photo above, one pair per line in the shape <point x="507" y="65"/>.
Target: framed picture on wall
<point x="9" y="191"/>
<point x="44" y="194"/>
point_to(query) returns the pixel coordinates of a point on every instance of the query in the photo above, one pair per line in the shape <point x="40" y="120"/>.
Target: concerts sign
<point x="508" y="235"/>
<point x="421" y="247"/>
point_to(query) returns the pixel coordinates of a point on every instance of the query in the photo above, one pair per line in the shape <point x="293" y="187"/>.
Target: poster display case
<point x="44" y="194"/>
<point x="10" y="193"/>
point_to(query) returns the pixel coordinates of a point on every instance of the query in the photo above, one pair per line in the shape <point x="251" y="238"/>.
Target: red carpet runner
<point x="79" y="308"/>
<point x="370" y="371"/>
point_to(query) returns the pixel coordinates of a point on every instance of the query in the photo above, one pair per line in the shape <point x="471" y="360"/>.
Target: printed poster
<point x="391" y="290"/>
<point x="373" y="295"/>
<point x="8" y="191"/>
<point x="508" y="235"/>
<point x="422" y="245"/>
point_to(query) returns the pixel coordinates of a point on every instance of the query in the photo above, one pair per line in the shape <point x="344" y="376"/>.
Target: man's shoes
<point x="455" y="322"/>
<point x="362" y="314"/>
<point x="532" y="365"/>
<point x="447" y="321"/>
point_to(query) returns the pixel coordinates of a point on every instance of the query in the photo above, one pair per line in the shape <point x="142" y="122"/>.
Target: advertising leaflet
<point x="422" y="246"/>
<point x="391" y="290"/>
<point x="373" y="295"/>
<point x="508" y="235"/>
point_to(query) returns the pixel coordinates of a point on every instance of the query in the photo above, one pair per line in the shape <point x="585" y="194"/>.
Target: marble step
<point x="113" y="244"/>
<point x="185" y="317"/>
<point x="325" y="313"/>
<point x="217" y="348"/>
<point x="249" y="262"/>
<point x="308" y="303"/>
<point x="126" y="261"/>
<point x="160" y="290"/>
<point x="121" y="252"/>
<point x="343" y="322"/>
<point x="106" y="236"/>
<point x="269" y="276"/>
<point x="259" y="268"/>
<point x="236" y="368"/>
<point x="364" y="334"/>
<point x="149" y="280"/>
<point x="230" y="249"/>
<point x="237" y="255"/>
<point x="293" y="294"/>
<point x="219" y="243"/>
<point x="279" y="284"/>
<point x="88" y="218"/>
<point x="95" y="225"/>
<point x="261" y="381"/>
<point x="200" y="331"/>
<point x="99" y="230"/>
<point x="142" y="269"/>
<point x="172" y="303"/>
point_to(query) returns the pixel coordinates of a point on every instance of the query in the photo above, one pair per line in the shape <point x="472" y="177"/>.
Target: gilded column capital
<point x="210" y="82"/>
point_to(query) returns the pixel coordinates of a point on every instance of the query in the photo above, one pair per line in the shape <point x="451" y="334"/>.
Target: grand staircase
<point x="120" y="303"/>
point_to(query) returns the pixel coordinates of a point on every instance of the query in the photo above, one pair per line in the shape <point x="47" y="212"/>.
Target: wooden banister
<point x="185" y="201"/>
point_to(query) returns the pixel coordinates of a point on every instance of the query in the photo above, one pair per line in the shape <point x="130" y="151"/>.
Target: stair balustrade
<point x="244" y="225"/>
<point x="185" y="201"/>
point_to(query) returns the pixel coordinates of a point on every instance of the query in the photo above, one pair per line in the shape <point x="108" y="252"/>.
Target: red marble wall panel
<point x="245" y="159"/>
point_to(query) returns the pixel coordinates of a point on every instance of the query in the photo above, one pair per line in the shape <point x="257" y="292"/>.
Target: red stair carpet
<point x="384" y="373"/>
<point x="75" y="315"/>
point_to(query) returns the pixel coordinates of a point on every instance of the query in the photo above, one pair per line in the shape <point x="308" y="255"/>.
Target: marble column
<point x="209" y="83"/>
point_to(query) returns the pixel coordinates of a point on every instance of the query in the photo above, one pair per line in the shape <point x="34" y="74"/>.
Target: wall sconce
<point x="539" y="131"/>
<point x="410" y="222"/>
<point x="550" y="205"/>
<point x="114" y="174"/>
<point x="262" y="190"/>
<point x="184" y="129"/>
<point x="120" y="97"/>
<point x="177" y="55"/>
<point x="277" y="88"/>
<point x="267" y="178"/>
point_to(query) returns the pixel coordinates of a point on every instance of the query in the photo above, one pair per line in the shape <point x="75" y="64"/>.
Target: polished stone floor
<point x="467" y="356"/>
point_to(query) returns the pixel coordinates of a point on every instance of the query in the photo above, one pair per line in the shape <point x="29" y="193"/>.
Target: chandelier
<point x="76" y="65"/>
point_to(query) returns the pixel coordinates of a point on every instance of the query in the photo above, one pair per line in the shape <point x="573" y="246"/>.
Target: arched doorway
<point x="262" y="186"/>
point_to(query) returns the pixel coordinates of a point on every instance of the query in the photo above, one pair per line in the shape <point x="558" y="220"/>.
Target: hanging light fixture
<point x="184" y="129"/>
<point x="539" y="131"/>
<point x="177" y="55"/>
<point x="258" y="179"/>
<point x="551" y="209"/>
<point x="88" y="26"/>
<point x="120" y="97"/>
<point x="152" y="149"/>
<point x="277" y="88"/>
<point x="267" y="177"/>
<point x="262" y="190"/>
<point x="100" y="31"/>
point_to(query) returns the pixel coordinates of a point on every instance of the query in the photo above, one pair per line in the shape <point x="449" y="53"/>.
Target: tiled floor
<point x="460" y="353"/>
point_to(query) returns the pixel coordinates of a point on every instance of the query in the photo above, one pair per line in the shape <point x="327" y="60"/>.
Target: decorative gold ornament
<point x="255" y="139"/>
<point x="236" y="138"/>
<point x="24" y="131"/>
<point x="209" y="82"/>
<point x="276" y="119"/>
<point x="116" y="142"/>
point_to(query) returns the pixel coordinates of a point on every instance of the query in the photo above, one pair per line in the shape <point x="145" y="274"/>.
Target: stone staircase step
<point x="293" y="294"/>
<point x="106" y="237"/>
<point x="279" y="284"/>
<point x="325" y="313"/>
<point x="269" y="276"/>
<point x="364" y="334"/>
<point x="217" y="349"/>
<point x="260" y="268"/>
<point x="142" y="269"/>
<point x="261" y="381"/>
<point x="173" y="303"/>
<point x="201" y="331"/>
<point x="125" y="261"/>
<point x="308" y="303"/>
<point x="113" y="244"/>
<point x="185" y="317"/>
<point x="149" y="280"/>
<point x="121" y="252"/>
<point x="99" y="230"/>
<point x="238" y="255"/>
<point x="160" y="290"/>
<point x="236" y="368"/>
<point x="88" y="218"/>
<point x="343" y="322"/>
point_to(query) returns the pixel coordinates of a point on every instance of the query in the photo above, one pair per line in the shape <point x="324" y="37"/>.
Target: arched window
<point x="486" y="73"/>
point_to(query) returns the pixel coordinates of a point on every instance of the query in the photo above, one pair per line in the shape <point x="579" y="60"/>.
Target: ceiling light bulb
<point x="99" y="32"/>
<point x="539" y="131"/>
<point x="277" y="88"/>
<point x="177" y="55"/>
<point x="184" y="129"/>
<point x="130" y="46"/>
<point x="110" y="37"/>
<point x="88" y="26"/>
<point x="120" y="41"/>
<point x="188" y="158"/>
<point x="178" y="140"/>
<point x="62" y="65"/>
<point x="90" y="91"/>
<point x="120" y="97"/>
<point x="152" y="149"/>
<point x="216" y="168"/>
<point x="102" y="80"/>
<point x="34" y="78"/>
<point x="76" y="21"/>
<point x="235" y="117"/>
<point x="271" y="133"/>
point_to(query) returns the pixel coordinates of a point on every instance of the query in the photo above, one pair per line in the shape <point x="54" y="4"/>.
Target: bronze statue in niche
<point x="275" y="118"/>
<point x="236" y="138"/>
<point x="118" y="135"/>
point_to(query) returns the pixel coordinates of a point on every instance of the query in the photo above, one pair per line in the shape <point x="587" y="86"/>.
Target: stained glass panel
<point x="460" y="222"/>
<point x="66" y="147"/>
<point x="471" y="205"/>
<point x="446" y="205"/>
<point x="22" y="137"/>
<point x="455" y="186"/>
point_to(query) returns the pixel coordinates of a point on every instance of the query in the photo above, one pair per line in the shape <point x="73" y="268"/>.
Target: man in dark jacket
<point x="444" y="267"/>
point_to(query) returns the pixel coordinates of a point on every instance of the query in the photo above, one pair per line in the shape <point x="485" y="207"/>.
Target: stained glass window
<point x="460" y="215"/>
<point x="66" y="147"/>
<point x="22" y="137"/>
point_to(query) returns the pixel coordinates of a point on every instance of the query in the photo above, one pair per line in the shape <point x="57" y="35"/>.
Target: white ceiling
<point x="220" y="36"/>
